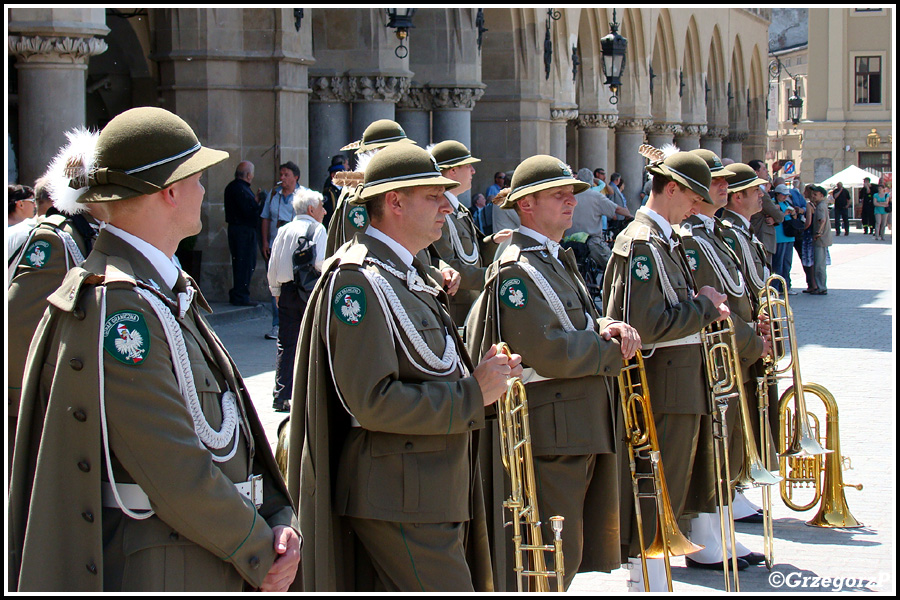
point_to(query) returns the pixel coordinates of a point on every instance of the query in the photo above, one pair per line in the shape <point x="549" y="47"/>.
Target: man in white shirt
<point x="291" y="296"/>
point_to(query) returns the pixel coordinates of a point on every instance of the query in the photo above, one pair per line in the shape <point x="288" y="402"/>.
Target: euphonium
<point x="281" y="447"/>
<point x="801" y="449"/>
<point x="641" y="441"/>
<point x="515" y="447"/>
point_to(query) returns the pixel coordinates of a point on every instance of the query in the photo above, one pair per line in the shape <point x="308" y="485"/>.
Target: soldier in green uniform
<point x="140" y="463"/>
<point x="59" y="242"/>
<point x="381" y="450"/>
<point x="536" y="301"/>
<point x="648" y="284"/>
<point x="462" y="244"/>
<point x="349" y="218"/>
<point x="713" y="263"/>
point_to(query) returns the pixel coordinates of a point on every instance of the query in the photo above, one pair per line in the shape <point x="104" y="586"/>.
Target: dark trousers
<point x="841" y="214"/>
<point x="290" y="315"/>
<point x="242" y="246"/>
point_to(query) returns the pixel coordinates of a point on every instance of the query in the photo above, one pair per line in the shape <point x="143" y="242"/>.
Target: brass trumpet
<point x="515" y="447"/>
<point x="642" y="442"/>
<point x="800" y="459"/>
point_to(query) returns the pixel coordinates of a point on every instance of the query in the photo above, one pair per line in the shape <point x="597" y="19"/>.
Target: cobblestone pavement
<point x="846" y="344"/>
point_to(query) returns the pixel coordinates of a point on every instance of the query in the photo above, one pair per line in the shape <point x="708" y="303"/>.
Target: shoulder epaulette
<point x="56" y="221"/>
<point x="686" y="230"/>
<point x="625" y="239"/>
<point x="510" y="255"/>
<point x="354" y="255"/>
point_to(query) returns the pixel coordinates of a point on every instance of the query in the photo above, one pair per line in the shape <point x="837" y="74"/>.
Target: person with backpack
<point x="297" y="256"/>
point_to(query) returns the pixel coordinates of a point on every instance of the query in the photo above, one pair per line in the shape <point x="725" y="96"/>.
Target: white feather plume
<point x="658" y="154"/>
<point x="363" y="158"/>
<point x="669" y="149"/>
<point x="73" y="163"/>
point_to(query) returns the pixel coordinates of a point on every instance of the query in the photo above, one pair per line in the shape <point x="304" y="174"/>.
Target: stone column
<point x="712" y="139"/>
<point x="329" y="123"/>
<point x="374" y="97"/>
<point x="629" y="162"/>
<point x="689" y="138"/>
<point x="452" y="113"/>
<point x="559" y="119"/>
<point x="51" y="72"/>
<point x="733" y="144"/>
<point x="662" y="134"/>
<point x="414" y="115"/>
<point x="593" y="139"/>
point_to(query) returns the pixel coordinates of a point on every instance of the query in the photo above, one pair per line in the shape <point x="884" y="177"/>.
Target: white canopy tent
<point x="851" y="177"/>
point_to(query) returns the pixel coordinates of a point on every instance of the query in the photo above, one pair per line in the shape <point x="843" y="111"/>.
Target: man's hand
<point x="629" y="339"/>
<point x="284" y="570"/>
<point x="493" y="373"/>
<point x="452" y="280"/>
<point x="718" y="299"/>
<point x="502" y="236"/>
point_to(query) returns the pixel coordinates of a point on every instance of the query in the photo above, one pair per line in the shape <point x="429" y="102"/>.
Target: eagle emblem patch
<point x="126" y="337"/>
<point x="642" y="268"/>
<point x="513" y="293"/>
<point x="358" y="217"/>
<point x="349" y="304"/>
<point x="38" y="254"/>
<point x="692" y="258"/>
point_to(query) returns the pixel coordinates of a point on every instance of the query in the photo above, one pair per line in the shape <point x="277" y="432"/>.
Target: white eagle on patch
<point x="516" y="297"/>
<point x="692" y="262"/>
<point x="359" y="220"/>
<point x="37" y="257"/>
<point x="129" y="343"/>
<point x="642" y="270"/>
<point x="351" y="309"/>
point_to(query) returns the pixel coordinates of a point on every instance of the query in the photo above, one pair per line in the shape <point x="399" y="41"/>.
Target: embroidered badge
<point x="513" y="293"/>
<point x="692" y="258"/>
<point x="38" y="254"/>
<point x="358" y="217"/>
<point x="642" y="268"/>
<point x="126" y="337"/>
<point x="349" y="304"/>
<point x="731" y="243"/>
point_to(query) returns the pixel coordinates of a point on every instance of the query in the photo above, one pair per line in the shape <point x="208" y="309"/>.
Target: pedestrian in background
<point x="841" y="209"/>
<point x="881" y="203"/>
<point x="242" y="217"/>
<point x="821" y="239"/>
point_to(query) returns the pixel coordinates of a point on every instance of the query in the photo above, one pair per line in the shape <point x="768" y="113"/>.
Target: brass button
<point x="80" y="416"/>
<point x="88" y="516"/>
<point x="76" y="364"/>
<point x="84" y="466"/>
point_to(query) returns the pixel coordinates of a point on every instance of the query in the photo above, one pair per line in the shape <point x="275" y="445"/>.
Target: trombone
<point x="515" y="447"/>
<point x="801" y="459"/>
<point x="642" y="442"/>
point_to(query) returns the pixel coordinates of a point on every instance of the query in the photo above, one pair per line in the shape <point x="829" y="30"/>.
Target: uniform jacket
<point x="749" y="345"/>
<point x="633" y="292"/>
<point x="572" y="412"/>
<point x="204" y="534"/>
<point x="471" y="270"/>
<point x="411" y="458"/>
<point x="751" y="252"/>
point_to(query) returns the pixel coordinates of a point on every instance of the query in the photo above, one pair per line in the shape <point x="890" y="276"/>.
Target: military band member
<point x="648" y="284"/>
<point x="59" y="242"/>
<point x="536" y="301"/>
<point x="462" y="244"/>
<point x="140" y="463"/>
<point x="349" y="218"/>
<point x="386" y="404"/>
<point x="713" y="263"/>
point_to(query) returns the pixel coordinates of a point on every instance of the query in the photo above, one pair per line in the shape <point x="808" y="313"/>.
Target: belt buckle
<point x="256" y="490"/>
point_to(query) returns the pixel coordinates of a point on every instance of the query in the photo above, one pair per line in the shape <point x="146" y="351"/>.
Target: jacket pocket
<point x="409" y="473"/>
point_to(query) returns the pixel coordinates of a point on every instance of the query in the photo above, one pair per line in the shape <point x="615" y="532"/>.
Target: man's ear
<point x="393" y="201"/>
<point x="526" y="204"/>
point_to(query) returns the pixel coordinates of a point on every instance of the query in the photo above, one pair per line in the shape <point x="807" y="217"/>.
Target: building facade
<point x="271" y="85"/>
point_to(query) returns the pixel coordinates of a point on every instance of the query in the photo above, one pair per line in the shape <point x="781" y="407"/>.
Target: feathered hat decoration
<point x="70" y="170"/>
<point x="657" y="155"/>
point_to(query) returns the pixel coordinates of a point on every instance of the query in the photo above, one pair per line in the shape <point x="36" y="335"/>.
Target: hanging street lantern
<point x="613" y="47"/>
<point x="795" y="107"/>
<point x="400" y="19"/>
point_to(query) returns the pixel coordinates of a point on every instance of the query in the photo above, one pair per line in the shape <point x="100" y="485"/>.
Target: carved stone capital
<point x="563" y="113"/>
<point x="736" y="137"/>
<point x="716" y="132"/>
<point x="693" y="130"/>
<point x="377" y="88"/>
<point x="415" y="98"/>
<point x="633" y="124"/>
<point x="329" y="88"/>
<point x="36" y="48"/>
<point x="664" y="128"/>
<point x="444" y="98"/>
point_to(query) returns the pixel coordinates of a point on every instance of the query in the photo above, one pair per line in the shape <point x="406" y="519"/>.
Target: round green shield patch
<point x="642" y="268"/>
<point x="513" y="293"/>
<point x="126" y="337"/>
<point x="349" y="304"/>
<point x="38" y="254"/>
<point x="731" y="243"/>
<point x="692" y="259"/>
<point x="358" y="217"/>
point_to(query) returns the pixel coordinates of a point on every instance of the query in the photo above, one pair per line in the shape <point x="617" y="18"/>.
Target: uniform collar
<point x="740" y="220"/>
<point x="453" y="200"/>
<point x="402" y="253"/>
<point x="163" y="264"/>
<point x="551" y="246"/>
<point x="657" y="218"/>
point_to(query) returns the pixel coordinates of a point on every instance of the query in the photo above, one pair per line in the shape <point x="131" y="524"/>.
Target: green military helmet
<point x="141" y="151"/>
<point x="716" y="168"/>
<point x="686" y="168"/>
<point x="379" y="134"/>
<point x="539" y="173"/>
<point x="744" y="177"/>
<point x="451" y="153"/>
<point x="400" y="166"/>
